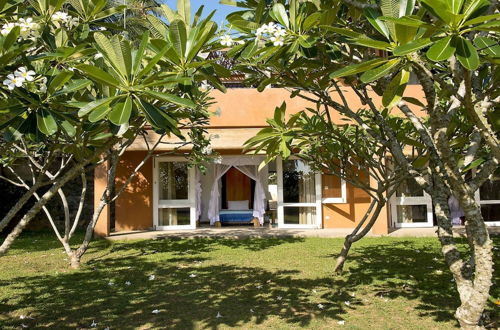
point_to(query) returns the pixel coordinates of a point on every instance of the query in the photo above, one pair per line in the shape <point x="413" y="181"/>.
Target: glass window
<point x="298" y="182"/>
<point x="332" y="186"/>
<point x="174" y="217"/>
<point x="490" y="212"/>
<point x="299" y="215"/>
<point x="409" y="188"/>
<point x="411" y="213"/>
<point x="490" y="190"/>
<point x="173" y="180"/>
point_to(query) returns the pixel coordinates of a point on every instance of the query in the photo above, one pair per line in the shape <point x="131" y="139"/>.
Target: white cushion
<point x="237" y="205"/>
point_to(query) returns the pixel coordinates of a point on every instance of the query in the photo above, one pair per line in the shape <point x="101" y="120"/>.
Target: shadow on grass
<point x="189" y="292"/>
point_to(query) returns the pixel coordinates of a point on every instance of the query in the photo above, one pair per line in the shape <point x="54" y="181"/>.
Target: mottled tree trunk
<point x="35" y="209"/>
<point x="355" y="236"/>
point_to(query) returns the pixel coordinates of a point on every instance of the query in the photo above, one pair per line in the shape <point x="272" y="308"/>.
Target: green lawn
<point x="389" y="283"/>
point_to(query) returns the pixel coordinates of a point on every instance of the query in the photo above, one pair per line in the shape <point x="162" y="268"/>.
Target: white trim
<point x="477" y="196"/>
<point x="281" y="204"/>
<point x="425" y="200"/>
<point x="343" y="195"/>
<point x="179" y="203"/>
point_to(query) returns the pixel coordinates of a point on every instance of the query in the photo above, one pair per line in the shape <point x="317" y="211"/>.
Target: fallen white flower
<point x="192" y="275"/>
<point x="258" y="286"/>
<point x="251" y="311"/>
<point x="151" y="277"/>
<point x="348" y="303"/>
<point x="314" y="291"/>
<point x="111" y="283"/>
<point x="23" y="325"/>
<point x="128" y="283"/>
<point x="341" y="322"/>
<point x="94" y="324"/>
<point x="321" y="306"/>
<point x="155" y="311"/>
<point x="439" y="272"/>
<point x="219" y="315"/>
<point x="435" y="259"/>
<point x="279" y="298"/>
<point x="352" y="294"/>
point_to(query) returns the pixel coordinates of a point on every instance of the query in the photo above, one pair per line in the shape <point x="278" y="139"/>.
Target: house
<point x="168" y="194"/>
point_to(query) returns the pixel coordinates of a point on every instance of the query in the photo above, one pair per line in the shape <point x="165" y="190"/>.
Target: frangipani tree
<point x="333" y="50"/>
<point x="75" y="87"/>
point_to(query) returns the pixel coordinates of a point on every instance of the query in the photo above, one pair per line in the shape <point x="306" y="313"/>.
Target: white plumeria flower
<point x="128" y="283"/>
<point x="260" y="31"/>
<point x="439" y="272"/>
<point x="271" y="27"/>
<point x="155" y="311"/>
<point x="98" y="56"/>
<point x="258" y="286"/>
<point x="342" y="322"/>
<point x="219" y="315"/>
<point x="278" y="41"/>
<point x="24" y="326"/>
<point x="60" y="16"/>
<point x="314" y="291"/>
<point x="6" y="28"/>
<point x="279" y="298"/>
<point x="72" y="22"/>
<point x="240" y="42"/>
<point x="352" y="294"/>
<point x="151" y="277"/>
<point x="226" y="40"/>
<point x="348" y="303"/>
<point x="279" y="32"/>
<point x="25" y="73"/>
<point x="12" y="81"/>
<point x="251" y="310"/>
<point x="435" y="259"/>
<point x="321" y="306"/>
<point x="94" y="324"/>
<point x="111" y="283"/>
<point x="192" y="275"/>
<point x="102" y="28"/>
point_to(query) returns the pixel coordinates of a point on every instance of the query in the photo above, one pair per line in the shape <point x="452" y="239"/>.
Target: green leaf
<point x="74" y="86"/>
<point x="59" y="81"/>
<point x="172" y="98"/>
<point x="372" y="43"/>
<point x="467" y="54"/>
<point x="184" y="10"/>
<point x="395" y="90"/>
<point x="455" y="6"/>
<point x="46" y="122"/>
<point x="405" y="21"/>
<point x="98" y="75"/>
<point x="94" y="104"/>
<point x="155" y="116"/>
<point x="481" y="19"/>
<point x="120" y="114"/>
<point x="279" y="13"/>
<point x="357" y="68"/>
<point x="178" y="37"/>
<point x="472" y="7"/>
<point x="11" y="38"/>
<point x="342" y="31"/>
<point x="372" y="16"/>
<point x="442" y="50"/>
<point x="411" y="47"/>
<point x="99" y="113"/>
<point x="488" y="46"/>
<point x="380" y="71"/>
<point x="438" y="9"/>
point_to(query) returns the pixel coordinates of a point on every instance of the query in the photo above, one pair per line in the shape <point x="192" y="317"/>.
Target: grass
<point x="389" y="283"/>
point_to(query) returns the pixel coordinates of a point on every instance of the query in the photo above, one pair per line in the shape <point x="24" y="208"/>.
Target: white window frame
<point x="337" y="200"/>
<point x="182" y="203"/>
<point x="411" y="201"/>
<point x="281" y="204"/>
<point x="487" y="202"/>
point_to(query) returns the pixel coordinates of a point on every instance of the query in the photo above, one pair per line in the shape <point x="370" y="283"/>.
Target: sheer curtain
<point x="215" y="199"/>
<point x="259" y="206"/>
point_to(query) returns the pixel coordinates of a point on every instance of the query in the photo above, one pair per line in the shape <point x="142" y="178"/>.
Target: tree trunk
<point x="9" y="240"/>
<point x="354" y="236"/>
<point x="476" y="293"/>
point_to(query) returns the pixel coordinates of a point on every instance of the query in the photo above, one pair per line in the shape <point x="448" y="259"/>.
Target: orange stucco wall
<point x="246" y="107"/>
<point x="134" y="208"/>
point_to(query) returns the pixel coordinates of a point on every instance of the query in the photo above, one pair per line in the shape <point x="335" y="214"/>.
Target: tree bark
<point x="354" y="236"/>
<point x="9" y="240"/>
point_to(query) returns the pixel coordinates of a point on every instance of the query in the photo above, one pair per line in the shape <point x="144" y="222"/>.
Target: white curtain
<point x="198" y="191"/>
<point x="215" y="202"/>
<point x="259" y="206"/>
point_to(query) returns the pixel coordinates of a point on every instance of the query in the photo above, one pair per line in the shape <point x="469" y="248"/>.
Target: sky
<point x="221" y="10"/>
